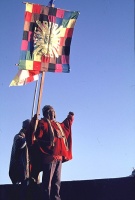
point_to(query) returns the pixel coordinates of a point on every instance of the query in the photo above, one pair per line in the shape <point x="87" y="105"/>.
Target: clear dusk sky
<point x="100" y="89"/>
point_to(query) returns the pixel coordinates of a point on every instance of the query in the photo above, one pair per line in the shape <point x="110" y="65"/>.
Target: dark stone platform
<point x="98" y="189"/>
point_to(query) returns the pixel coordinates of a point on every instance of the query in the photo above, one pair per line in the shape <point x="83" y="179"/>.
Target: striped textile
<point x="23" y="77"/>
<point x="47" y="38"/>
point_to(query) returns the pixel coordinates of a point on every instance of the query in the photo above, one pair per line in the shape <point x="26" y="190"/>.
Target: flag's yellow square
<point x="62" y="32"/>
<point x="29" y="7"/>
<point x="37" y="58"/>
<point x="71" y="23"/>
<point x="29" y="65"/>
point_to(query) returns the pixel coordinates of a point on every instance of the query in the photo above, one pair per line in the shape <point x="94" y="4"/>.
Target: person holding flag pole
<point x="52" y="146"/>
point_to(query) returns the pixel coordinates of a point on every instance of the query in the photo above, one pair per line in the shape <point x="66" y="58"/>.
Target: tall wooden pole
<point x="40" y="92"/>
<point x="34" y="100"/>
<point x="40" y="96"/>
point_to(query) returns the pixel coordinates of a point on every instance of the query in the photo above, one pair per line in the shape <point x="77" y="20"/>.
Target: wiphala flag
<point x="47" y="38"/>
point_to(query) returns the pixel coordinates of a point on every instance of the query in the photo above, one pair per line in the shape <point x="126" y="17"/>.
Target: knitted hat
<point x="46" y="108"/>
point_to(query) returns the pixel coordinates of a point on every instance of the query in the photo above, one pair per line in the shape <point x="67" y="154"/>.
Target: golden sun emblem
<point x="47" y="39"/>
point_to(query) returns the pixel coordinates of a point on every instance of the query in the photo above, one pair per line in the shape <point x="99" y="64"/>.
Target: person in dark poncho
<point x="54" y="142"/>
<point x="19" y="162"/>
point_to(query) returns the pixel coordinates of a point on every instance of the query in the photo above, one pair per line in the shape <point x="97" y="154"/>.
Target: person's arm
<point x="68" y="121"/>
<point x="42" y="129"/>
<point x="20" y="140"/>
<point x="71" y="117"/>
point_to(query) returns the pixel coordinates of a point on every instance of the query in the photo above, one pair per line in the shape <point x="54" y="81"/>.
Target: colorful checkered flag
<point x="47" y="38"/>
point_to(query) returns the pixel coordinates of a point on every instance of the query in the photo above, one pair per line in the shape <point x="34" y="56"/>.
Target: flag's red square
<point x="24" y="45"/>
<point x="69" y="32"/>
<point x="60" y="13"/>
<point x="28" y="16"/>
<point x="36" y="8"/>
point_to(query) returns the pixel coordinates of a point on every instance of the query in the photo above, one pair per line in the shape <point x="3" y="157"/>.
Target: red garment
<point x="55" y="139"/>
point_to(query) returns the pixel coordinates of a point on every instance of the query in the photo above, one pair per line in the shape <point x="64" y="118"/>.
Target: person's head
<point x="48" y="112"/>
<point x="25" y="124"/>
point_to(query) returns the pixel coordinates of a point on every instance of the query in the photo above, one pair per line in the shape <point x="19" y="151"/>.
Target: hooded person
<point x="54" y="142"/>
<point x="19" y="163"/>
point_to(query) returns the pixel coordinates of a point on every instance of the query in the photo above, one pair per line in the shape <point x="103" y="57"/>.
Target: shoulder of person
<point x="42" y="121"/>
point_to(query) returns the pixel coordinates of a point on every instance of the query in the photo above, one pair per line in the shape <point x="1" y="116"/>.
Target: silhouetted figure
<point x="133" y="173"/>
<point x="19" y="161"/>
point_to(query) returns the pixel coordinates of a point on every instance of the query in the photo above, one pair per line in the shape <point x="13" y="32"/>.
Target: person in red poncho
<point x="54" y="140"/>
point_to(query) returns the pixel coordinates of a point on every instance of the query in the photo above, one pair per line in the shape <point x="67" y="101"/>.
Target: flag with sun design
<point x="47" y="38"/>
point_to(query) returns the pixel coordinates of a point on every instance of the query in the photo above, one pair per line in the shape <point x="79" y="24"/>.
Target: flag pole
<point x="35" y="94"/>
<point x="38" y="109"/>
<point x="40" y="96"/>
